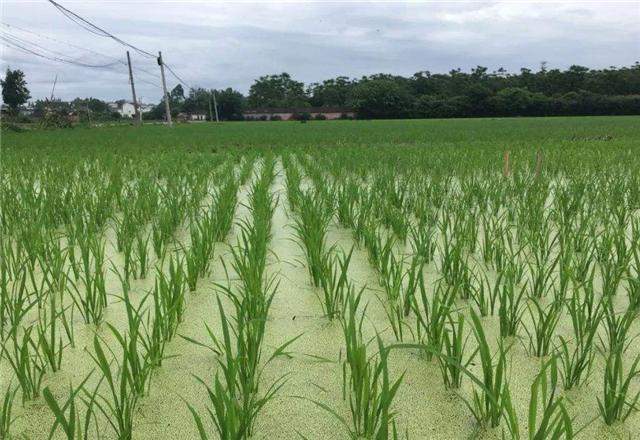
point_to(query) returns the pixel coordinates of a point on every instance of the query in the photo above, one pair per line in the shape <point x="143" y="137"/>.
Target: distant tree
<point x="230" y="104"/>
<point x="14" y="89"/>
<point x="331" y="92"/>
<point x="177" y="93"/>
<point x="277" y="91"/>
<point x="382" y="98"/>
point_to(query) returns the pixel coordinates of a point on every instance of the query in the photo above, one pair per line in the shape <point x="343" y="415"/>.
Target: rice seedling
<point x="616" y="325"/>
<point x="235" y="399"/>
<point x="142" y="254"/>
<point x="365" y="380"/>
<point x="544" y="320"/>
<point x="484" y="295"/>
<point x="336" y="286"/>
<point x="25" y="360"/>
<point x="423" y="242"/>
<point x="168" y="297"/>
<point x="511" y="307"/>
<point x="119" y="403"/>
<point x="577" y="356"/>
<point x="552" y="420"/>
<point x="311" y="226"/>
<point x="7" y="419"/>
<point x="617" y="402"/>
<point x="454" y="345"/>
<point x="92" y="302"/>
<point x="49" y="340"/>
<point x="72" y="424"/>
<point x="491" y="399"/>
<point x="432" y="316"/>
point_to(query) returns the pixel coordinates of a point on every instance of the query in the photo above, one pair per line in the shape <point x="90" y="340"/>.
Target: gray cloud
<point x="231" y="44"/>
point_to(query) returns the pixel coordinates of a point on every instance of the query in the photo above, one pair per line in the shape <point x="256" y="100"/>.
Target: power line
<point x="38" y="50"/>
<point x="11" y="26"/>
<point x="22" y="45"/>
<point x="180" y="80"/>
<point x="94" y="29"/>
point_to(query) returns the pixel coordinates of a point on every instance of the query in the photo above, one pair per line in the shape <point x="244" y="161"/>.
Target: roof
<point x="299" y="110"/>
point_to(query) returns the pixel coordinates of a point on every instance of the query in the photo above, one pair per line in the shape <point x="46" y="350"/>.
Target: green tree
<point x="14" y="89"/>
<point x="382" y="98"/>
<point x="277" y="91"/>
<point x="230" y="104"/>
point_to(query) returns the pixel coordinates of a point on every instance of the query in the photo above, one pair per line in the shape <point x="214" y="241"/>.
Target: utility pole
<point x="138" y="115"/>
<point x="215" y="105"/>
<point x="210" y="111"/>
<point x="164" y="87"/>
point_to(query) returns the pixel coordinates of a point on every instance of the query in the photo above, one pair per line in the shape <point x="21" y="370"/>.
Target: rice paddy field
<point x="441" y="279"/>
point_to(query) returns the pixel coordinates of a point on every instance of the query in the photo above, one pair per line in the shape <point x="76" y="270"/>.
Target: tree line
<point x="577" y="90"/>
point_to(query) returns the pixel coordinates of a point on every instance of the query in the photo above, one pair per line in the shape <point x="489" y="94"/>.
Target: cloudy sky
<point x="229" y="44"/>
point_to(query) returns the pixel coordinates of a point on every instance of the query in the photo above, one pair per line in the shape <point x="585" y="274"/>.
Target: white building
<point x="126" y="109"/>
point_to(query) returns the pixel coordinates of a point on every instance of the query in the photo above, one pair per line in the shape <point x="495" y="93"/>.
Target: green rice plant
<point x="336" y="287"/>
<point x="49" y="341"/>
<point x="142" y="254"/>
<point x="72" y="425"/>
<point x="119" y="404"/>
<point x="551" y="420"/>
<point x="484" y="295"/>
<point x="617" y="402"/>
<point x="577" y="356"/>
<point x="25" y="360"/>
<point x="92" y="302"/>
<point x="491" y="396"/>
<point x="235" y="399"/>
<point x="347" y="195"/>
<point x="454" y="263"/>
<point x="454" y="345"/>
<point x="365" y="381"/>
<point x="168" y="297"/>
<point x="511" y="308"/>
<point x="616" y="325"/>
<point x="541" y="274"/>
<point x="224" y="202"/>
<point x="129" y="268"/>
<point x="544" y="320"/>
<point x="293" y="180"/>
<point x="6" y="412"/>
<point x="432" y="316"/>
<point x="311" y="225"/>
<point x="16" y="301"/>
<point x="423" y="242"/>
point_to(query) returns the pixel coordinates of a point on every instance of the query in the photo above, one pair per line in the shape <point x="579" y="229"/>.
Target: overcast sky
<point x="230" y="44"/>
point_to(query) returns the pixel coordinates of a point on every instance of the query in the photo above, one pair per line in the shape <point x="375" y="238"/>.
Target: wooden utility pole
<point x="210" y="111"/>
<point x="215" y="105"/>
<point x="138" y="115"/>
<point x="164" y="87"/>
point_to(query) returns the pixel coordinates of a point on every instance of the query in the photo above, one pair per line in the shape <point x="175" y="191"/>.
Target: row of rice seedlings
<point x="198" y="256"/>
<point x="311" y="224"/>
<point x="88" y="274"/>
<point x="365" y="381"/>
<point x="236" y="399"/>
